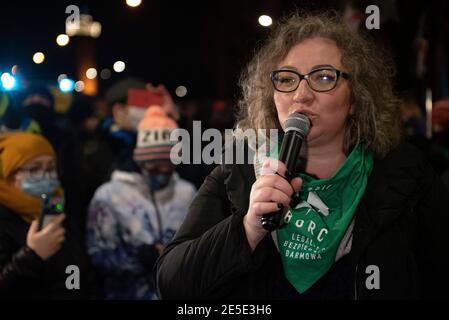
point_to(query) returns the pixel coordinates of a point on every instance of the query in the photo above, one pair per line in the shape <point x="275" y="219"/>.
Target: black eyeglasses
<point x="319" y="80"/>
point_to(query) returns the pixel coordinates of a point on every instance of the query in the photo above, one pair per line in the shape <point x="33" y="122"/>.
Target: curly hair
<point x="376" y="120"/>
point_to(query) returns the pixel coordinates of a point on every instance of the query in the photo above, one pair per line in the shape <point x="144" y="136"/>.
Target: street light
<point x="105" y="74"/>
<point x="119" y="66"/>
<point x="62" y="76"/>
<point x="181" y="91"/>
<point x="62" y="40"/>
<point x="133" y="3"/>
<point x="8" y="81"/>
<point x="91" y="73"/>
<point x="38" y="57"/>
<point x="265" y="20"/>
<point x="79" y="86"/>
<point x="66" y="85"/>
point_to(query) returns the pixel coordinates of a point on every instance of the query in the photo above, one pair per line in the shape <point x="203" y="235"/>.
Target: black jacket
<point x="24" y="275"/>
<point x="400" y="227"/>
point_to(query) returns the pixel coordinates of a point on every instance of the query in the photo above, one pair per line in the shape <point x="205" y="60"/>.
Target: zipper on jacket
<point x="355" y="282"/>
<point x="158" y="216"/>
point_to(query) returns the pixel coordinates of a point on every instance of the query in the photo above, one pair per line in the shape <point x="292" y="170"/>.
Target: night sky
<point x="202" y="45"/>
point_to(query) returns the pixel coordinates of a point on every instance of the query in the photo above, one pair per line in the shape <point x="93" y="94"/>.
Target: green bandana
<point x="309" y="238"/>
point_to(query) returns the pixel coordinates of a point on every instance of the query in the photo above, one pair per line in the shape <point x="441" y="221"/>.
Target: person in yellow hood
<point x="32" y="261"/>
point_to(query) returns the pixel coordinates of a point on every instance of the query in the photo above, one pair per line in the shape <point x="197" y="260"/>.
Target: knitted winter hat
<point x="153" y="138"/>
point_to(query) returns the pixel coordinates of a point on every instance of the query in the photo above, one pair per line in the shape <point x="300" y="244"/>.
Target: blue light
<point x="66" y="85"/>
<point x="8" y="81"/>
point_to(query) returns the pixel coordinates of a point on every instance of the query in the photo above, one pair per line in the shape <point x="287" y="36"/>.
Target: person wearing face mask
<point x="119" y="129"/>
<point x="33" y="262"/>
<point x="134" y="215"/>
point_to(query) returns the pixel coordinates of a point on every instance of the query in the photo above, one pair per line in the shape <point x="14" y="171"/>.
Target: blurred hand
<point x="47" y="241"/>
<point x="269" y="190"/>
<point x="168" y="106"/>
<point x="159" y="247"/>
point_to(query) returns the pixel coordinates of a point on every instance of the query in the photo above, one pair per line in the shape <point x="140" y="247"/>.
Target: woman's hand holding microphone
<point x="270" y="190"/>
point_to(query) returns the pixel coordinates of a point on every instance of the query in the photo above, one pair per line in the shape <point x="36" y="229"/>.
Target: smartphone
<point x="144" y="98"/>
<point x="51" y="208"/>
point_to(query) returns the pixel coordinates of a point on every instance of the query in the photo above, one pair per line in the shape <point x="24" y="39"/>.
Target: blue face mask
<point x="45" y="185"/>
<point x="158" y="181"/>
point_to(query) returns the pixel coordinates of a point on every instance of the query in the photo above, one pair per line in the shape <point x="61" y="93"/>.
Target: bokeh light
<point x="119" y="66"/>
<point x="38" y="57"/>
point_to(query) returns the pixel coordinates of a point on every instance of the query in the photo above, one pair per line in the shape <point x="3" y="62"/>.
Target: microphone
<point x="296" y="127"/>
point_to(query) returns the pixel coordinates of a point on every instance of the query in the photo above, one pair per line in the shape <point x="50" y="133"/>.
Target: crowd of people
<point x="135" y="226"/>
<point x="122" y="198"/>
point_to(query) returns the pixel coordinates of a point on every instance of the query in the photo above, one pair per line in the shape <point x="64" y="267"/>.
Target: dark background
<point x="202" y="45"/>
